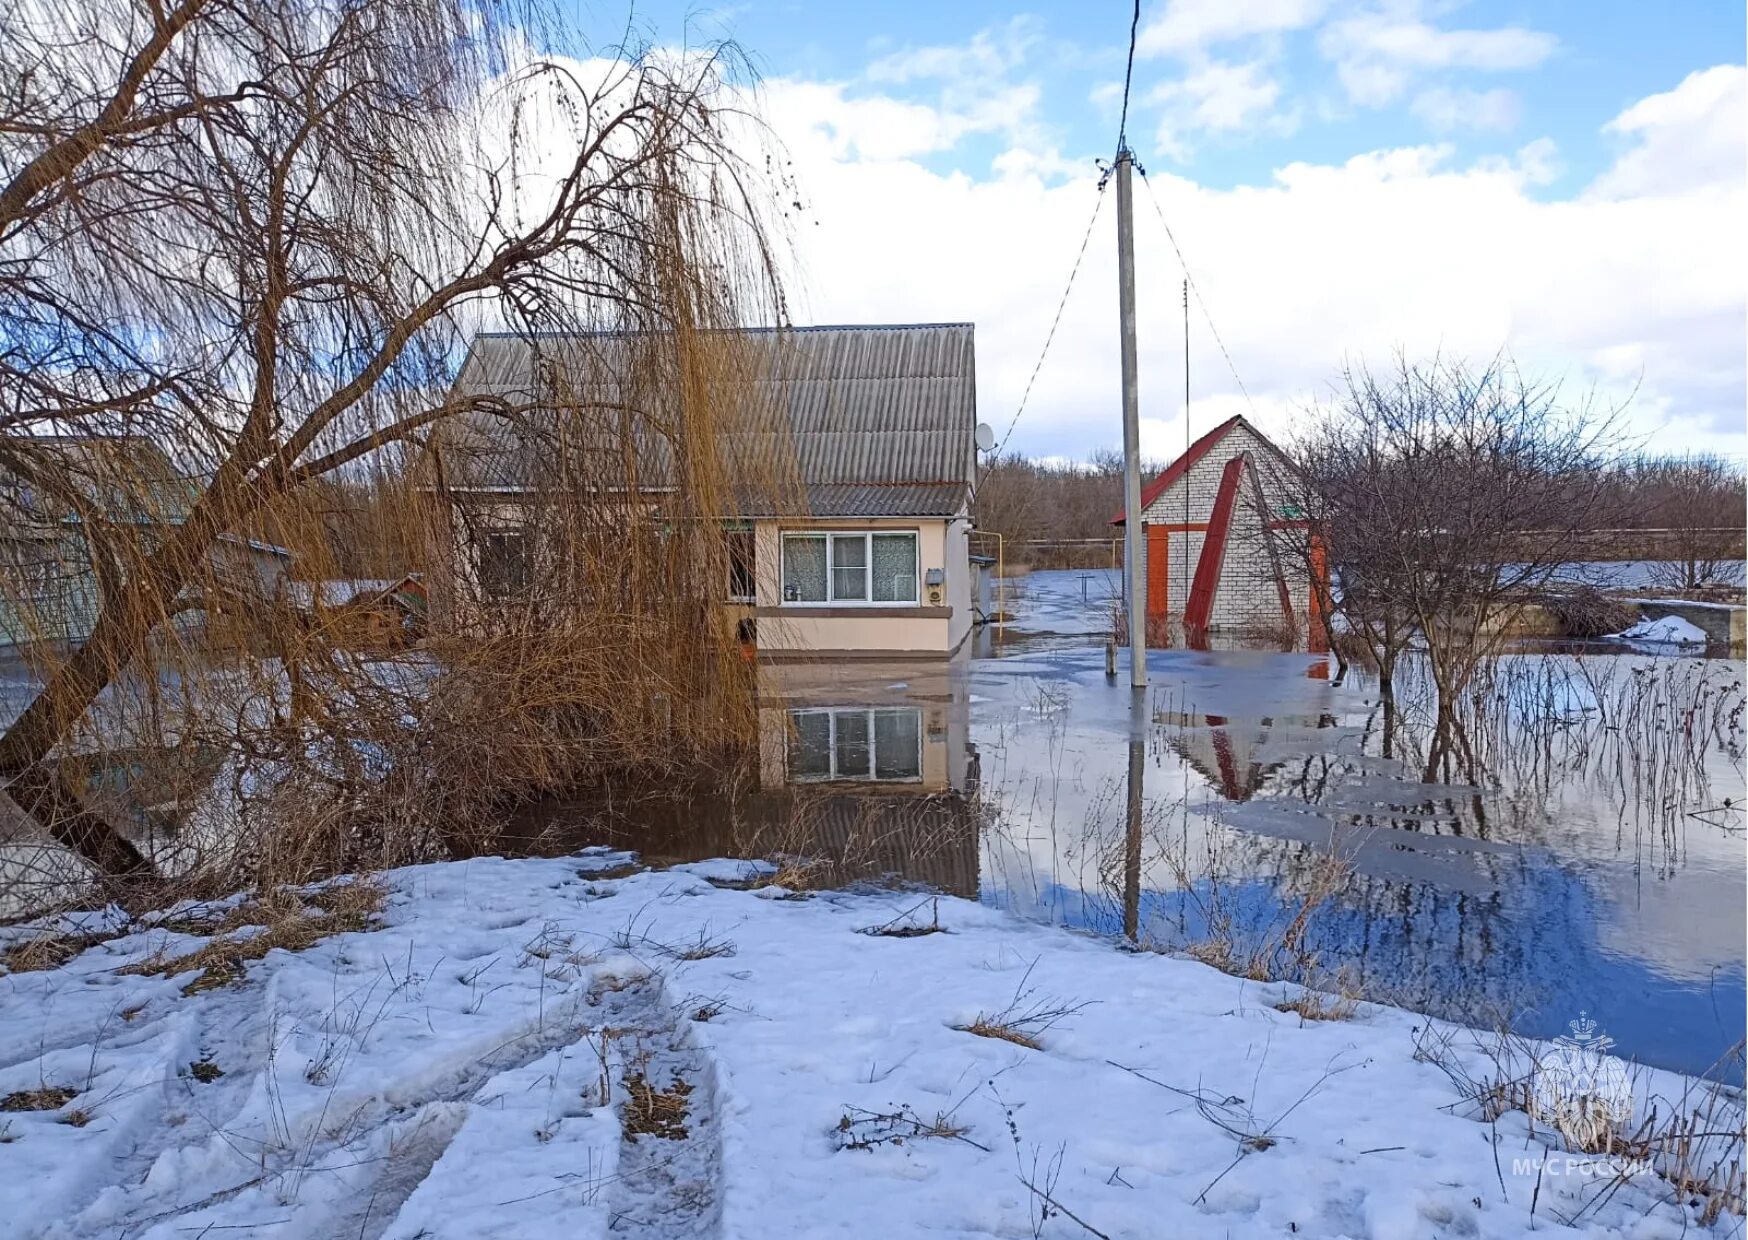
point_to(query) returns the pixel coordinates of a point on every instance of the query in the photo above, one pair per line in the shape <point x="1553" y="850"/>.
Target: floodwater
<point x="1586" y="865"/>
<point x="1584" y="857"/>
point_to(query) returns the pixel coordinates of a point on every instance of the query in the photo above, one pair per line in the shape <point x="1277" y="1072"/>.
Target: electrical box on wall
<point x="935" y="587"/>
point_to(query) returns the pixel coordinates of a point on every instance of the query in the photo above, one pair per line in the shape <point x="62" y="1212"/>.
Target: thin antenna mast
<point x="1184" y="576"/>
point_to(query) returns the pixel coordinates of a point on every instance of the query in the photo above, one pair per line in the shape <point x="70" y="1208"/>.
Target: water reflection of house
<point x="907" y="730"/>
<point x="1224" y="755"/>
<point x="878" y="775"/>
<point x="874" y="776"/>
<point x="1236" y="756"/>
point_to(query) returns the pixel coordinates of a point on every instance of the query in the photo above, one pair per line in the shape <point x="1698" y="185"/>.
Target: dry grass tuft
<point x="48" y="1098"/>
<point x="205" y="1071"/>
<point x="1338" y="1002"/>
<point x="285" y="921"/>
<point x="78" y="1117"/>
<point x="51" y="951"/>
<point x="1004" y="1031"/>
<point x="1317" y="1005"/>
<point x="1025" y="1018"/>
<point x="804" y="874"/>
<point x="654" y="1112"/>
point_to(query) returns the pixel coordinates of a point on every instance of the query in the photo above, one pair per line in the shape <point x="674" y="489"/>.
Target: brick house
<point x="1226" y="548"/>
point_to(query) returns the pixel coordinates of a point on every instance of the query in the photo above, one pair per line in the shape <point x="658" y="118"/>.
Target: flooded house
<point x="851" y="460"/>
<point x="1228" y="551"/>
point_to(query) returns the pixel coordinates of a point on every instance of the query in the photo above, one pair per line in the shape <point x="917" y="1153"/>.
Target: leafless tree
<point x="256" y="234"/>
<point x="1446" y="496"/>
<point x="1034" y="502"/>
<point x="1698" y="502"/>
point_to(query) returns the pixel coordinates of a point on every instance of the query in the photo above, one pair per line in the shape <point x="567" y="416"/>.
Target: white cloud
<point x="1636" y="286"/>
<point x="1377" y="55"/>
<point x="1684" y="139"/>
<point x="1446" y="109"/>
<point x="1184" y="26"/>
<point x="992" y="52"/>
<point x="1217" y="97"/>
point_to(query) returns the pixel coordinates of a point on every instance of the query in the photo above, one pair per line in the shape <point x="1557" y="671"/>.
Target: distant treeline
<point x="1033" y="504"/>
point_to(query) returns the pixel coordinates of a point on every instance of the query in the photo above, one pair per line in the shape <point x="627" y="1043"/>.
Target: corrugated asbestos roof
<point x="847" y="421"/>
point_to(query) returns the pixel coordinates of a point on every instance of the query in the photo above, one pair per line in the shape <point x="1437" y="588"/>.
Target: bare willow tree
<point x="1446" y="497"/>
<point x="255" y="236"/>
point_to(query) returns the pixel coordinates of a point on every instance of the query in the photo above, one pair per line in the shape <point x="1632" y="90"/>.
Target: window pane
<point x="803" y="569"/>
<point x="810" y="751"/>
<point x="503" y="564"/>
<point x="849" y="566"/>
<point x="897" y="744"/>
<point x="852" y="745"/>
<point x="740" y="564"/>
<point x="895" y="568"/>
<point x="849" y="583"/>
<point x="849" y="551"/>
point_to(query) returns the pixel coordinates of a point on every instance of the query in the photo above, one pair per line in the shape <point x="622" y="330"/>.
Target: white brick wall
<point x="1247" y="596"/>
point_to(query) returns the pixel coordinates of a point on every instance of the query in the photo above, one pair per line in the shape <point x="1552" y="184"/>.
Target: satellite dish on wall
<point x="985" y="437"/>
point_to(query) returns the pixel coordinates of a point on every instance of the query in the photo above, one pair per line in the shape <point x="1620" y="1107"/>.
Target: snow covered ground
<point x="573" y="1048"/>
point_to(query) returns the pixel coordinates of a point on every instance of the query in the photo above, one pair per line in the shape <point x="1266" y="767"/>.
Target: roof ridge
<point x="766" y="329"/>
<point x="1182" y="465"/>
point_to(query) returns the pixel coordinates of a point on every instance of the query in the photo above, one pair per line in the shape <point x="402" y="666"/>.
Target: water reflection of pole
<point x="1132" y="837"/>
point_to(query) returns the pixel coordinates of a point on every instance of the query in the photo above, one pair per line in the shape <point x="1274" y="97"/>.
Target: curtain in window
<point x="895" y="568"/>
<point x="804" y="569"/>
<point x="849" y="566"/>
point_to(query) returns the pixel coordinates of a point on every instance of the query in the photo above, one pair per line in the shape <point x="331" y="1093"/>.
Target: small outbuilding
<point x="1228" y="551"/>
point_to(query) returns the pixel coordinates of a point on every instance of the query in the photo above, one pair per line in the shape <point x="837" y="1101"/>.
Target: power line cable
<point x="1098" y="202"/>
<point x="1190" y="279"/>
<point x="1128" y="74"/>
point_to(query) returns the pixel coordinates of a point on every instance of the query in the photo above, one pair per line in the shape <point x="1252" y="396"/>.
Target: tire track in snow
<point x="417" y="1130"/>
<point x="668" y="1186"/>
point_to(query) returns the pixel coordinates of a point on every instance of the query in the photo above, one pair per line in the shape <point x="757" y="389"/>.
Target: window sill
<point x="854" y="611"/>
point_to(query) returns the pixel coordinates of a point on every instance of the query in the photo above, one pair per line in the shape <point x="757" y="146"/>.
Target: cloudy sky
<point x="1345" y="178"/>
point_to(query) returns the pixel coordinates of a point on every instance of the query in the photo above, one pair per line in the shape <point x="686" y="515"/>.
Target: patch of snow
<point x="523" y="1050"/>
<point x="726" y="869"/>
<point x="1669" y="631"/>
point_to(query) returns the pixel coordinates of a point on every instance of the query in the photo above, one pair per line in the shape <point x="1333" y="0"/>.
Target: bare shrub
<point x="1587" y="612"/>
<point x="1693" y="1140"/>
<point x="859" y="1129"/>
<point x="1445" y="497"/>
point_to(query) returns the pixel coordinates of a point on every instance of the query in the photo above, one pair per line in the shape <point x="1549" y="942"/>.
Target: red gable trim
<point x="1181" y="466"/>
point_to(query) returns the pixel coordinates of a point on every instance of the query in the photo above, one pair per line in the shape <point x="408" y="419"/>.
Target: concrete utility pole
<point x="1134" y="547"/>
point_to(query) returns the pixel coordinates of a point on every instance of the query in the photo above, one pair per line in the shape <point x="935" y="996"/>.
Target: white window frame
<point x="867" y="536"/>
<point x="834" y="775"/>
